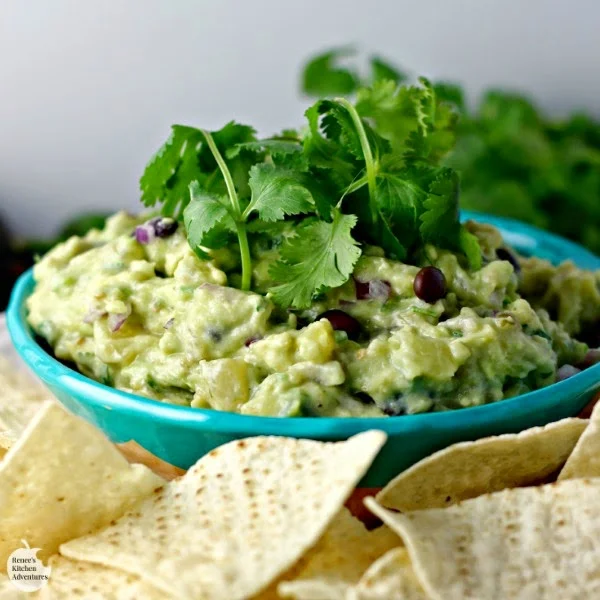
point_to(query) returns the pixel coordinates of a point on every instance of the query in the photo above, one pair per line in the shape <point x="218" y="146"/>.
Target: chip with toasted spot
<point x="585" y="458"/>
<point x="470" y="469"/>
<point x="63" y="478"/>
<point x="536" y="542"/>
<point x="73" y="579"/>
<point x="237" y="520"/>
<point x="338" y="560"/>
<point x="389" y="578"/>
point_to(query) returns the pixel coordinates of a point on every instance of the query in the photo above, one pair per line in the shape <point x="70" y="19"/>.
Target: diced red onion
<point x="375" y="289"/>
<point x="566" y="371"/>
<point x="251" y="340"/>
<point x="116" y="321"/>
<point x="379" y="290"/>
<point x="590" y="359"/>
<point x="93" y="315"/>
<point x="145" y="234"/>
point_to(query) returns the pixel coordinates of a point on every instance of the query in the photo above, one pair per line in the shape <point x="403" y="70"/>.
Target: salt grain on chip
<point x="539" y="543"/>
<point x="63" y="479"/>
<point x="470" y="469"/>
<point x="238" y="519"/>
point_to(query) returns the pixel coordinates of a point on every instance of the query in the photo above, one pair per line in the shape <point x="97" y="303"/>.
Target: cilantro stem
<point x="240" y="224"/>
<point x="356" y="185"/>
<point x="366" y="149"/>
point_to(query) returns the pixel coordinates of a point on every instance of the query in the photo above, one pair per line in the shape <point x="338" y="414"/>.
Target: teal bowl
<point x="182" y="435"/>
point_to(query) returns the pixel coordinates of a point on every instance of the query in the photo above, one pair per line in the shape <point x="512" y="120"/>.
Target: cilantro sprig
<point x="514" y="160"/>
<point x="360" y="173"/>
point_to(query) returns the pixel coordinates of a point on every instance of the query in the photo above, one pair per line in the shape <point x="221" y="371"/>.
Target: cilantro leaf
<point x="283" y="152"/>
<point x="338" y="125"/>
<point x="227" y="137"/>
<point x="381" y="70"/>
<point x="204" y="214"/>
<point x="439" y="221"/>
<point x="324" y="76"/>
<point x="169" y="173"/>
<point x="207" y="219"/>
<point x="184" y="158"/>
<point x="418" y="126"/>
<point x="327" y="153"/>
<point x="450" y="93"/>
<point x="400" y="200"/>
<point x="321" y="255"/>
<point x="469" y="245"/>
<point x="277" y="192"/>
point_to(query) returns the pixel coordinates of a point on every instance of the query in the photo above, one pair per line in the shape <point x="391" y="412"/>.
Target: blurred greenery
<point x="514" y="160"/>
<point x="17" y="256"/>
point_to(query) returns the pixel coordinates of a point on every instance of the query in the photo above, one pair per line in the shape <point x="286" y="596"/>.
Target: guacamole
<point x="150" y="317"/>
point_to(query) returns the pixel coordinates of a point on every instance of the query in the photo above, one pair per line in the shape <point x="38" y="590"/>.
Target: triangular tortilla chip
<point x="470" y="469"/>
<point x="338" y="560"/>
<point x="21" y="396"/>
<point x="74" y="579"/>
<point x="585" y="458"/>
<point x="237" y="520"/>
<point x="390" y="578"/>
<point x="9" y="592"/>
<point x="541" y="543"/>
<point x="63" y="479"/>
<point x="135" y="453"/>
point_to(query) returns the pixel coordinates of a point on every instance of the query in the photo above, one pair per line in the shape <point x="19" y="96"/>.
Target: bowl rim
<point x="50" y="369"/>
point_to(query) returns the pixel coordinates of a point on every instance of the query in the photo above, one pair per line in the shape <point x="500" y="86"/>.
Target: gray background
<point x="89" y="88"/>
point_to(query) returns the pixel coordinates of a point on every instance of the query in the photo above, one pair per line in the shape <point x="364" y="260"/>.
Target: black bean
<point x="504" y="254"/>
<point x="214" y="334"/>
<point x="341" y="321"/>
<point x="394" y="407"/>
<point x="164" y="227"/>
<point x="430" y="285"/>
<point x="364" y="397"/>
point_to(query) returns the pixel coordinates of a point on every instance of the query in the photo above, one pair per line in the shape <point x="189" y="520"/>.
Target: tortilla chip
<point x="9" y="592"/>
<point x="5" y="444"/>
<point x="135" y="453"/>
<point x="585" y="458"/>
<point x="390" y="578"/>
<point x="470" y="469"/>
<point x="21" y="396"/>
<point x="537" y="542"/>
<point x="237" y="520"/>
<point x="338" y="560"/>
<point x="75" y="579"/>
<point x="63" y="479"/>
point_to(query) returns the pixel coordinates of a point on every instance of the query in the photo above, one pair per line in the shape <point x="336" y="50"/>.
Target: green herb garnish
<point x="341" y="183"/>
<point x="513" y="159"/>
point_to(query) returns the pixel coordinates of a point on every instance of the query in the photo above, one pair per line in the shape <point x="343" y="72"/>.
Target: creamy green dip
<point x="155" y="320"/>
